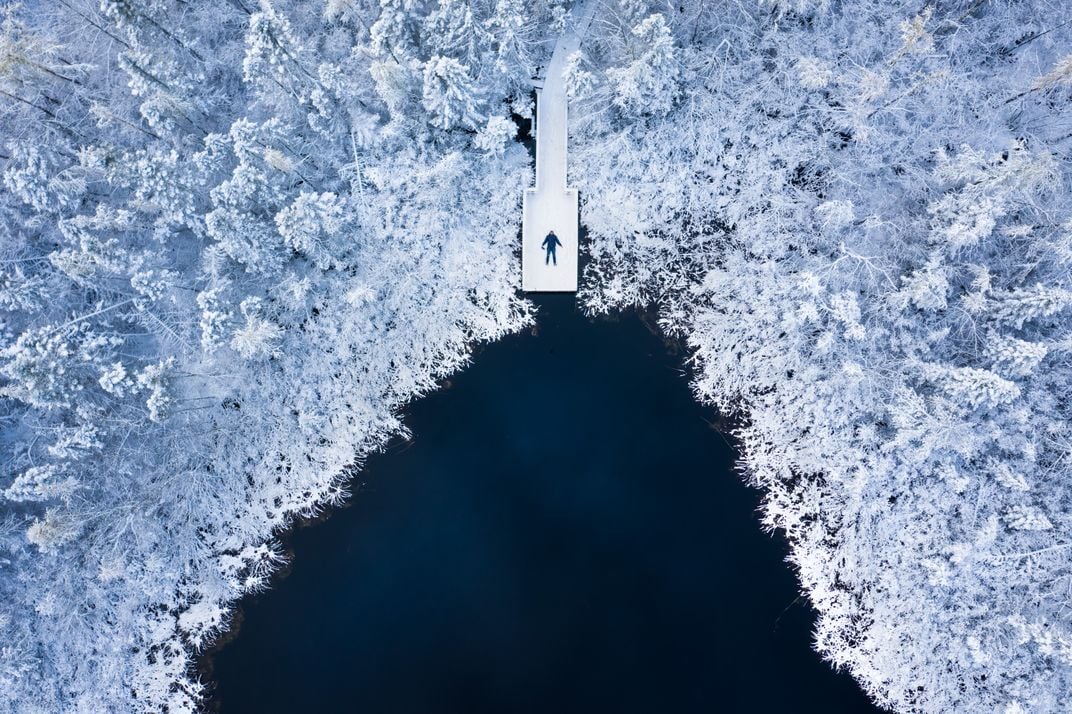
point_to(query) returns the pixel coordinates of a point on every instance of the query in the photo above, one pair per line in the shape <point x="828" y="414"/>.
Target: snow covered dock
<point x="550" y="205"/>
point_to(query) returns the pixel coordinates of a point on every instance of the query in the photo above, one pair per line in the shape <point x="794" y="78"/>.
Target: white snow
<point x="236" y="237"/>
<point x="551" y="204"/>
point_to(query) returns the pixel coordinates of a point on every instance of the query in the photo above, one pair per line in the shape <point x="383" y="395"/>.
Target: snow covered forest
<point x="237" y="235"/>
<point x="857" y="214"/>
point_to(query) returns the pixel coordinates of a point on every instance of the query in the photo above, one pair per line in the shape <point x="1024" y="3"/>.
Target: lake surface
<point x="564" y="533"/>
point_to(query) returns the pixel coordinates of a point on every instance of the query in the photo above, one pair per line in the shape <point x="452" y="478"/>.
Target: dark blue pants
<point x="550" y="256"/>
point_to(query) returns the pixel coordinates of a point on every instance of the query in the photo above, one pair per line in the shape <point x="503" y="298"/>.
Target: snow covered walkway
<point x="551" y="205"/>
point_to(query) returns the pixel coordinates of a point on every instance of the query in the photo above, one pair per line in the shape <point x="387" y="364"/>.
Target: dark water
<point x="565" y="533"/>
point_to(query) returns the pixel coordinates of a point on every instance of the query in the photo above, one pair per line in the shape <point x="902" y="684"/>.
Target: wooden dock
<point x="551" y="205"/>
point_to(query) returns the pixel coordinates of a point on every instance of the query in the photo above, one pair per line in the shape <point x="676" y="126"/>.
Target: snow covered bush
<point x="858" y="215"/>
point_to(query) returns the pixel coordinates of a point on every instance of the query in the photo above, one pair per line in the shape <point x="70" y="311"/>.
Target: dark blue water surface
<point x="564" y="533"/>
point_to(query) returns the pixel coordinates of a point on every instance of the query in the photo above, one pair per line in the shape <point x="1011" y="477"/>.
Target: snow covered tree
<point x="449" y="94"/>
<point x="275" y="59"/>
<point x="648" y="84"/>
<point x="318" y="225"/>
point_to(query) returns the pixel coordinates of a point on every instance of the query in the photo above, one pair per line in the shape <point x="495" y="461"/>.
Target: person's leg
<point x="547" y="257"/>
<point x="554" y="256"/>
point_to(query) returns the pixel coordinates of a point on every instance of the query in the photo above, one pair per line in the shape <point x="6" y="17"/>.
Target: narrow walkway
<point x="551" y="205"/>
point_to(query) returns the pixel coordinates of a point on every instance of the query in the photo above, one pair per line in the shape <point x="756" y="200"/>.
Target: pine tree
<point x="449" y="94"/>
<point x="648" y="84"/>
